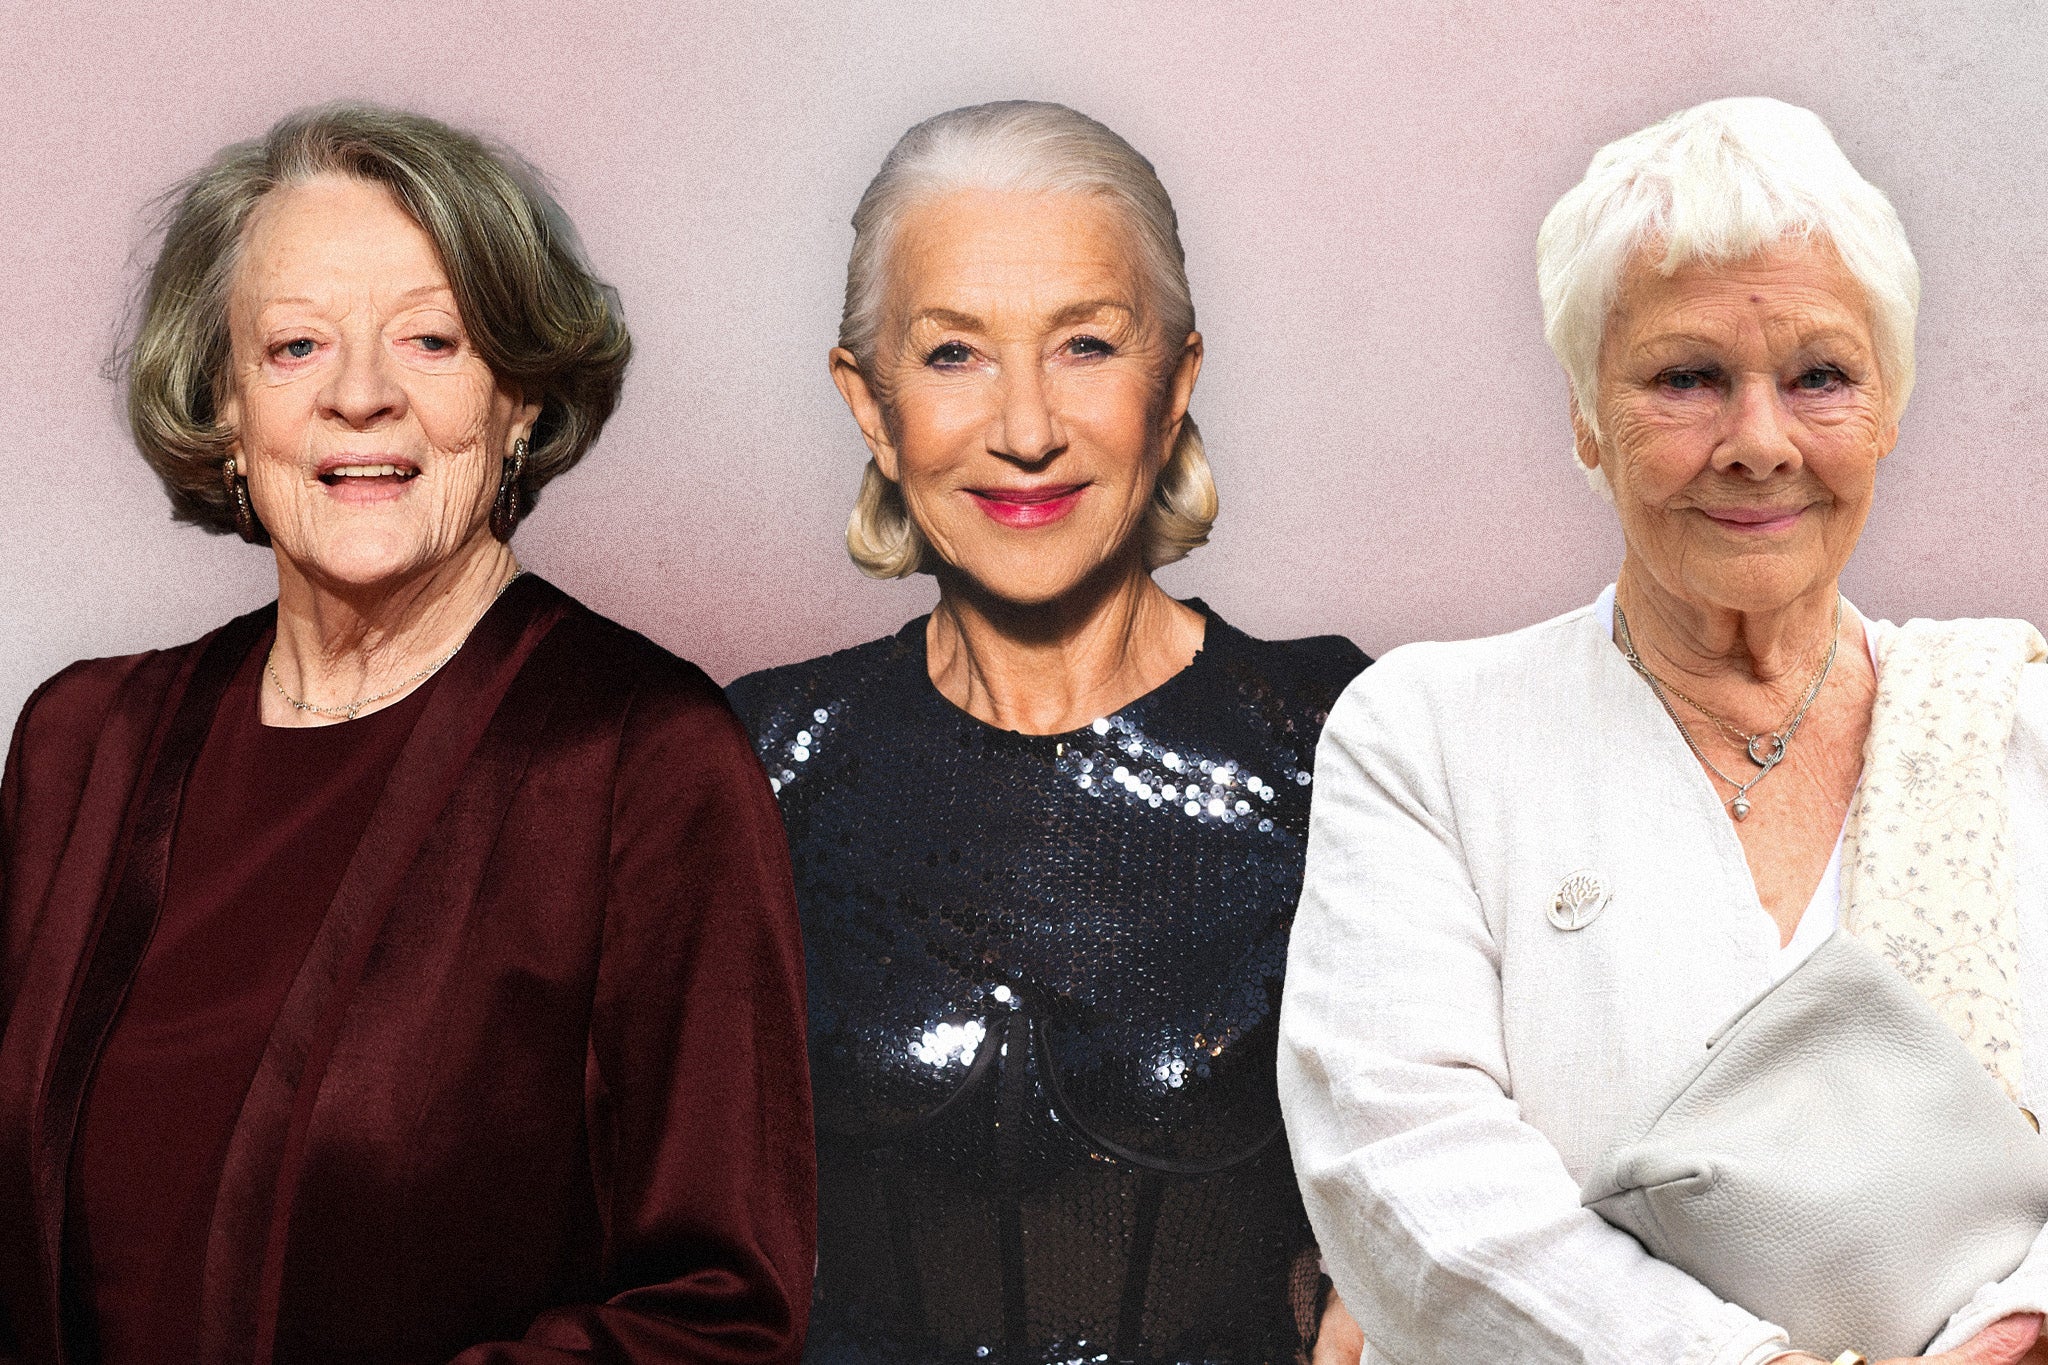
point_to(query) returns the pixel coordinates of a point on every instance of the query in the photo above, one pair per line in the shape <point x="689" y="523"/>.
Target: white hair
<point x="1033" y="147"/>
<point x="1715" y="183"/>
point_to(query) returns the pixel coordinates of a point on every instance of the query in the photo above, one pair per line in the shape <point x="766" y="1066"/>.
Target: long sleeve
<point x="1450" y="1225"/>
<point x="698" y="1087"/>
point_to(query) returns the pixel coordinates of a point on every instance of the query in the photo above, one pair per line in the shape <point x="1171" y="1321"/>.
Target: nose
<point x="1026" y="428"/>
<point x="362" y="390"/>
<point x="1758" y="440"/>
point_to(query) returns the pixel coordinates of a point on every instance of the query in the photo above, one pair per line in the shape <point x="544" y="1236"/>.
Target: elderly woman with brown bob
<point x="408" y="970"/>
<point x="1047" y="838"/>
<point x="1668" y="987"/>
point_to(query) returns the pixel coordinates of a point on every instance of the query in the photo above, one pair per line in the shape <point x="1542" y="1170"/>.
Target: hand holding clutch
<point x="1838" y="1163"/>
<point x="2014" y="1340"/>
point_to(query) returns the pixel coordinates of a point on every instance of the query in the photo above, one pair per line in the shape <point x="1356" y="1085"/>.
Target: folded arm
<point x="1450" y="1225"/>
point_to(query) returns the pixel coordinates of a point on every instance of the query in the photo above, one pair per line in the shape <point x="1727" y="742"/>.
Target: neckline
<point x="1214" y="630"/>
<point x="1603" y="612"/>
<point x="1674" y="751"/>
<point x="251" y="681"/>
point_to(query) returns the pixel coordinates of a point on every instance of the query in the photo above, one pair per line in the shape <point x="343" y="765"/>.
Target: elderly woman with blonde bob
<point x="1546" y="868"/>
<point x="1048" y="838"/>
<point x="407" y="970"/>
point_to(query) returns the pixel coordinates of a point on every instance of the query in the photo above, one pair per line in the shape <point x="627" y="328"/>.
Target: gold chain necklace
<point x="353" y="709"/>
<point x="1780" y="738"/>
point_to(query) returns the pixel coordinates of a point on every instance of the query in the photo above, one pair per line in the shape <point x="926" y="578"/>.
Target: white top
<point x="1451" y="1063"/>
<point x="1824" y="911"/>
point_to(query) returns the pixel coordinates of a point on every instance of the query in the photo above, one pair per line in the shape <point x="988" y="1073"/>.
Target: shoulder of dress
<point x="69" y="715"/>
<point x="92" y="689"/>
<point x="1460" y="700"/>
<point x="70" y="709"/>
<point x="609" y="660"/>
<point x="771" y="695"/>
<point x="1531" y="653"/>
<point x="1311" y="659"/>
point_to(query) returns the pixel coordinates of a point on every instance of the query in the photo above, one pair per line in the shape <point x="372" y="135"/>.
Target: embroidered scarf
<point x="1926" y="866"/>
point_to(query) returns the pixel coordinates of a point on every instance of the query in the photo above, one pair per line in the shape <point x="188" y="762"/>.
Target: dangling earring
<point x="505" y="508"/>
<point x="237" y="488"/>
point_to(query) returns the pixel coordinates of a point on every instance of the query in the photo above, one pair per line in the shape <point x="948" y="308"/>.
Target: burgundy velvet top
<point x="271" y="816"/>
<point x="535" y="1093"/>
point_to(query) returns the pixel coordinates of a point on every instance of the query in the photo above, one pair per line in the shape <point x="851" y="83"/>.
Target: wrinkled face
<point x="1027" y="400"/>
<point x="1742" y="417"/>
<point x="372" y="434"/>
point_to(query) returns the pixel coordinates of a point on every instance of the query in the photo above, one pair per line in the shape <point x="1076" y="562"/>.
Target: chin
<point x="1025" y="580"/>
<point x="366" y="559"/>
<point x="1040" y="567"/>
<point x="1750" y="586"/>
<point x="1033" y="592"/>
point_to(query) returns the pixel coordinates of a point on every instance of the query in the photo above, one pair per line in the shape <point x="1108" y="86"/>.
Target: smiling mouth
<point x="1027" y="507"/>
<point x="336" y="476"/>
<point x="1754" y="520"/>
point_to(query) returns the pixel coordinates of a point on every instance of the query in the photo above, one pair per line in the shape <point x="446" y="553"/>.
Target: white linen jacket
<point x="1451" y="1064"/>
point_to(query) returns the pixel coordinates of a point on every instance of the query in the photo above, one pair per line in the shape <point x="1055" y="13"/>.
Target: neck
<point x="1749" y="666"/>
<point x="1045" y="668"/>
<point x="339" y="642"/>
<point x="1780" y="644"/>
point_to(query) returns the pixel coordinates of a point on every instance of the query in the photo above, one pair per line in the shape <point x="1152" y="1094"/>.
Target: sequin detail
<point x="1044" y="982"/>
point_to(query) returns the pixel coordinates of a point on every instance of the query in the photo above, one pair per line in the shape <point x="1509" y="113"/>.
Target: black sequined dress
<point x="1044" y="979"/>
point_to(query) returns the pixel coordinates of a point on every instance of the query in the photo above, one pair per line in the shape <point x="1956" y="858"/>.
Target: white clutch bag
<point x="1838" y="1163"/>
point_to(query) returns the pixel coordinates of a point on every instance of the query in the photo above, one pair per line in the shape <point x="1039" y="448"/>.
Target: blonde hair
<point x="1030" y="146"/>
<point x="1719" y="182"/>
<point x="538" y="317"/>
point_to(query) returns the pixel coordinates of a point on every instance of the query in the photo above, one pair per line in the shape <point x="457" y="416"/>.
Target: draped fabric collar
<point x="102" y="908"/>
<point x="1927" y="877"/>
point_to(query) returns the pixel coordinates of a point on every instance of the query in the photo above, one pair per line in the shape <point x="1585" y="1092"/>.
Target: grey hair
<point x="1715" y="183"/>
<point x="538" y="317"/>
<point x="1030" y="146"/>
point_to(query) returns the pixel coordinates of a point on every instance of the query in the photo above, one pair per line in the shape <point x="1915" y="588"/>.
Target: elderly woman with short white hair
<point x="1048" y="838"/>
<point x="1666" y="987"/>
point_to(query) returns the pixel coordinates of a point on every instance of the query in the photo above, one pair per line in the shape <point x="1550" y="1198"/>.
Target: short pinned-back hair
<point x="537" y="316"/>
<point x="1033" y="147"/>
<point x="1719" y="182"/>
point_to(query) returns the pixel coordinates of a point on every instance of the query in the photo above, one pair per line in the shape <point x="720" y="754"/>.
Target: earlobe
<point x="1583" y="442"/>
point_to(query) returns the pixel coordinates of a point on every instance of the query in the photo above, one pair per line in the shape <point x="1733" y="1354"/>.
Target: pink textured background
<point x="1359" y="188"/>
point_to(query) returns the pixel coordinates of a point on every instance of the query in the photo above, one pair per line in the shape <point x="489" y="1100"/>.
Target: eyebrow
<point x="1818" y="337"/>
<point x="1073" y="312"/>
<point x="303" y="301"/>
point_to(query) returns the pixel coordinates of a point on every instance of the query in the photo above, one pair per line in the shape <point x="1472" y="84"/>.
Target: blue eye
<point x="298" y="349"/>
<point x="1820" y="377"/>
<point x="1684" y="380"/>
<point x="435" y="344"/>
<point x="949" y="353"/>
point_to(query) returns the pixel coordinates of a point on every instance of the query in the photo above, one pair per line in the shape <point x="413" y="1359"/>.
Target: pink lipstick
<point x="1025" y="508"/>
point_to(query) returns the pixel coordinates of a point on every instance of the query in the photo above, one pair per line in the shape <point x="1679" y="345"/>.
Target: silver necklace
<point x="350" y="710"/>
<point x="1779" y="740"/>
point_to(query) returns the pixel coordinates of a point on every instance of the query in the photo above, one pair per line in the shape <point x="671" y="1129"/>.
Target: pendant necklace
<point x="1767" y="748"/>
